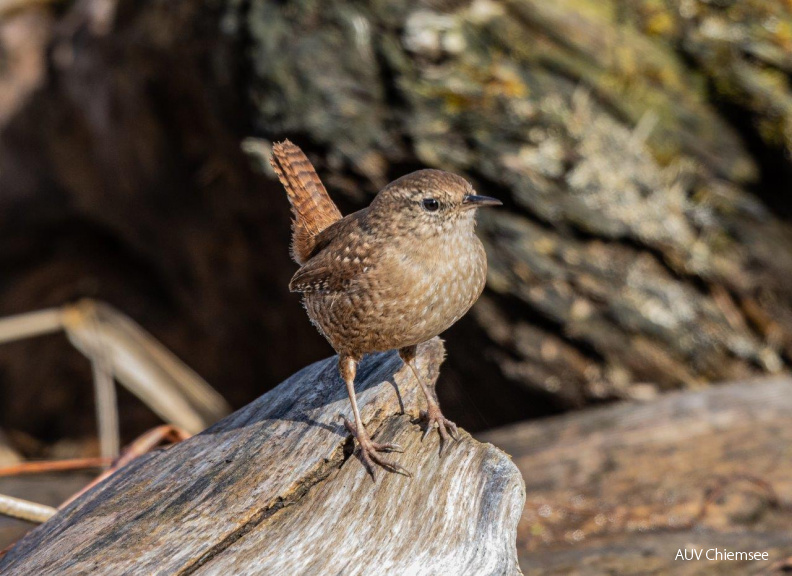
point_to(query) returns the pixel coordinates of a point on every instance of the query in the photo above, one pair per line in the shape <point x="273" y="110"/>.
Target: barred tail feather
<point x="312" y="208"/>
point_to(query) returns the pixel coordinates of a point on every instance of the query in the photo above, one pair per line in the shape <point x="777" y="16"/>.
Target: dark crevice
<point x="773" y="185"/>
<point x="348" y="449"/>
<point x="321" y="472"/>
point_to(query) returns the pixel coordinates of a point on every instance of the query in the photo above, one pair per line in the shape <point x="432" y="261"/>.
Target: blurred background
<point x="642" y="150"/>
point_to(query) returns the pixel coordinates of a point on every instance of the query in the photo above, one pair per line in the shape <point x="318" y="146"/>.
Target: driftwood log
<point x="272" y="489"/>
<point x="619" y="490"/>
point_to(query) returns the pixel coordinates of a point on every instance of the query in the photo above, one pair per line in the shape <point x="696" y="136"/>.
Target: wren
<point x="389" y="276"/>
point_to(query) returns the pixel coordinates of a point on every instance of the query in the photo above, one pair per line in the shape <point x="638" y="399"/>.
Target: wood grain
<point x="620" y="489"/>
<point x="271" y="490"/>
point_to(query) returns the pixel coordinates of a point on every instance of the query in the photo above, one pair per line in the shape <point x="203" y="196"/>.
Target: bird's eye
<point x="430" y="204"/>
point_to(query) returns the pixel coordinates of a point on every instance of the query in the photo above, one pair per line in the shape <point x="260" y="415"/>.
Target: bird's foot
<point x="434" y="417"/>
<point x="369" y="449"/>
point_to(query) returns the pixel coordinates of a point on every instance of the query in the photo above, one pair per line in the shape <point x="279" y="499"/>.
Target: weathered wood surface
<point x="619" y="490"/>
<point x="272" y="490"/>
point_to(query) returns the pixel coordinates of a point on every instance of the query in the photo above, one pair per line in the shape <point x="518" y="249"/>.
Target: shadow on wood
<point x="272" y="489"/>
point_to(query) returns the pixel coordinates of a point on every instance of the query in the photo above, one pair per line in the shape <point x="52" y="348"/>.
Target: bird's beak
<point x="474" y="201"/>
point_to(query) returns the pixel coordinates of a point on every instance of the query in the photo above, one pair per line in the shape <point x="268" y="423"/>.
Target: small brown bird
<point x="392" y="275"/>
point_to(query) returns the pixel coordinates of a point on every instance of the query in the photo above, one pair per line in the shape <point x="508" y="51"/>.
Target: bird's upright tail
<point x="312" y="208"/>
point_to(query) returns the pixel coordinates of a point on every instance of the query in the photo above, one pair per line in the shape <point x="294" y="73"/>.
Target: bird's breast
<point x="440" y="283"/>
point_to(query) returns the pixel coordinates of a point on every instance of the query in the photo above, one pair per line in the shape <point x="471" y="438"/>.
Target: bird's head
<point x="430" y="202"/>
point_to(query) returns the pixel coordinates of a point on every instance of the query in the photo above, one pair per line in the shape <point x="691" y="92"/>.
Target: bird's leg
<point x="433" y="416"/>
<point x="347" y="366"/>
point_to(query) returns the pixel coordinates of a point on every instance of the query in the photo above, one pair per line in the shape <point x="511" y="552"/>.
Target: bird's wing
<point x="326" y="273"/>
<point x="338" y="261"/>
<point x="312" y="208"/>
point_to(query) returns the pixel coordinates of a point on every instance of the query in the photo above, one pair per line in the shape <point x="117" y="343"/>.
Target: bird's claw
<point x="370" y="457"/>
<point x="447" y="429"/>
<point x="368" y="453"/>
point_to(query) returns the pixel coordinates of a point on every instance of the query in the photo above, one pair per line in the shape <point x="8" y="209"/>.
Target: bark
<point x="632" y="256"/>
<point x="273" y="489"/>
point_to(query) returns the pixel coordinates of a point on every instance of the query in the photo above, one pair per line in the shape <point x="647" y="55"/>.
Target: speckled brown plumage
<point x="392" y="275"/>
